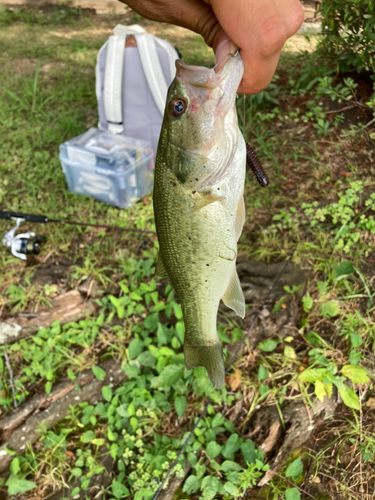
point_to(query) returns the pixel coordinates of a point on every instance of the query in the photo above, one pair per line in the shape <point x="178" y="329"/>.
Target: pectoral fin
<point x="160" y="269"/>
<point x="233" y="297"/>
<point x="206" y="199"/>
<point x="240" y="218"/>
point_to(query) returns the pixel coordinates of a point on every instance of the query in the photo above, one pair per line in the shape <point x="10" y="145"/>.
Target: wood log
<point x="23" y="425"/>
<point x="68" y="307"/>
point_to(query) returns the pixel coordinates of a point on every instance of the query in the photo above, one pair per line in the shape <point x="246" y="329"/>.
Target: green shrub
<point x="349" y="34"/>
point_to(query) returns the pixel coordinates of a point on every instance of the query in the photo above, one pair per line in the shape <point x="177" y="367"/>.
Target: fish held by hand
<point x="198" y="204"/>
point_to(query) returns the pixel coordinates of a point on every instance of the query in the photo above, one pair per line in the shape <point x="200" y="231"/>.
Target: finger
<point x="195" y="15"/>
<point x="260" y="29"/>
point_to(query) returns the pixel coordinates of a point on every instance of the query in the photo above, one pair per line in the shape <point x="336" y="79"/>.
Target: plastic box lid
<point x="98" y="148"/>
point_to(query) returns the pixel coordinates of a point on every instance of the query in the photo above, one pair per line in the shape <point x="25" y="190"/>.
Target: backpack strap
<point x="113" y="75"/>
<point x="98" y="76"/>
<point x="113" y="83"/>
<point x="152" y="69"/>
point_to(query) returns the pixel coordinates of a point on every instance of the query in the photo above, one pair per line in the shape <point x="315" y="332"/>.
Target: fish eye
<point x="177" y="107"/>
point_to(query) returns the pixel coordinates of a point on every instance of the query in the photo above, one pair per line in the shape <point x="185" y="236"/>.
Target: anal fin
<point x="233" y="296"/>
<point x="160" y="269"/>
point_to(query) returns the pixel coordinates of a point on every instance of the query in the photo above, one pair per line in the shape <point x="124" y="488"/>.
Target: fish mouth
<point x="221" y="86"/>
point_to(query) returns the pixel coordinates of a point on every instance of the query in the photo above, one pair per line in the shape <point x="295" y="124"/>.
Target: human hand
<point x="258" y="27"/>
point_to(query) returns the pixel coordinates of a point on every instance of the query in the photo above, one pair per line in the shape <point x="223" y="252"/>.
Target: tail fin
<point x="209" y="356"/>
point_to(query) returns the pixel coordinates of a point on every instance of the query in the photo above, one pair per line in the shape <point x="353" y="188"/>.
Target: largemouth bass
<point x="198" y="204"/>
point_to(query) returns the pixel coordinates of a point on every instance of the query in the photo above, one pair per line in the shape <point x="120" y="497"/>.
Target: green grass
<point x="320" y="182"/>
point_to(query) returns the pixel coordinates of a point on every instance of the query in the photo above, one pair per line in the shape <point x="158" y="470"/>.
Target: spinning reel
<point x="22" y="244"/>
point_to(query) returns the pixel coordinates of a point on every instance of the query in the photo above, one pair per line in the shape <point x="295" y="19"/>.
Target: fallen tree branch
<point x="23" y="426"/>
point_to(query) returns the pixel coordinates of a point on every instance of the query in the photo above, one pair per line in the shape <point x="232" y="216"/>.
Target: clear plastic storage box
<point x="111" y="168"/>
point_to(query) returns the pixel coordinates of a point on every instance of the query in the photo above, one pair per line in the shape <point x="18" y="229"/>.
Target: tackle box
<point x="112" y="168"/>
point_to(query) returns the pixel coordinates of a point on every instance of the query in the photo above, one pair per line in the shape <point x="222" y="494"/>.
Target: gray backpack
<point x="132" y="83"/>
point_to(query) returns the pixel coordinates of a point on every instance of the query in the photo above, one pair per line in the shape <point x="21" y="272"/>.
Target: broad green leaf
<point x="191" y="485"/>
<point x="310" y="375"/>
<point x="201" y="384"/>
<point x="230" y="466"/>
<point x="15" y="466"/>
<point x="313" y="338"/>
<point x="134" y="423"/>
<point x="349" y="397"/>
<point x="262" y="373"/>
<point x="248" y="451"/>
<point x="131" y="409"/>
<point x="177" y="310"/>
<point x="107" y="393"/>
<point x="180" y="404"/>
<point x="111" y="435"/>
<point x="355" y="373"/>
<point x="169" y="376"/>
<point x="192" y="459"/>
<point x="162" y="334"/>
<point x="87" y="436"/>
<point x="76" y="472"/>
<point x="71" y="374"/>
<point x="295" y="469"/>
<point x="354" y="357"/>
<point x="180" y="330"/>
<point x="122" y="410"/>
<point x="237" y="334"/>
<point x="232" y="445"/>
<point x="307" y="303"/>
<point x="146" y="359"/>
<point x="17" y="485"/>
<point x="217" y="421"/>
<point x="98" y="441"/>
<point x="210" y="486"/>
<point x="135" y="348"/>
<point x="330" y="309"/>
<point x="213" y="449"/>
<point x="320" y="391"/>
<point x="292" y="494"/>
<point x="268" y="345"/>
<point x="98" y="372"/>
<point x="355" y="340"/>
<point x="264" y="389"/>
<point x="151" y="322"/>
<point x="289" y="352"/>
<point x="343" y="269"/>
<point x="48" y="387"/>
<point x="230" y="488"/>
<point x="119" y="490"/>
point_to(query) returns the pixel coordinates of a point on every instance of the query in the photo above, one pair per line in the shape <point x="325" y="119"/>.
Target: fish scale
<point x="198" y="204"/>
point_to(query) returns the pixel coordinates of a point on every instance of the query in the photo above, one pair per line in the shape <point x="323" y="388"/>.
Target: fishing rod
<point x="29" y="243"/>
<point x="25" y="244"/>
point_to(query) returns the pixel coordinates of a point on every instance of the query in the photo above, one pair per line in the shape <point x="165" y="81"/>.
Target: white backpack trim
<point x="152" y="69"/>
<point x="113" y="83"/>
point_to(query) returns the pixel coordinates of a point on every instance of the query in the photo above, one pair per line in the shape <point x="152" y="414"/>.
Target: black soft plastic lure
<point x="256" y="167"/>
